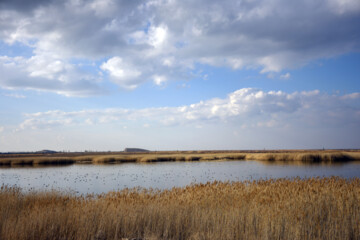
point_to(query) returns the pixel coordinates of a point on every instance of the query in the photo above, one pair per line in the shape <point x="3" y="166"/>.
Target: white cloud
<point x="285" y="76"/>
<point x="236" y="63"/>
<point x="271" y="64"/>
<point x="168" y="61"/>
<point x="244" y="107"/>
<point x="1" y="129"/>
<point x="351" y="96"/>
<point x="169" y="38"/>
<point x="159" y="80"/>
<point x="33" y="123"/>
<point x="45" y="73"/>
<point x="157" y="35"/>
<point x="103" y="8"/>
<point x="122" y="73"/>
<point x="42" y="66"/>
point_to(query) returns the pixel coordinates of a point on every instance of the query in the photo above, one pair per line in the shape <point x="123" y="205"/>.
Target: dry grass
<point x="161" y="157"/>
<point x="307" y="157"/>
<point x="35" y="161"/>
<point x="270" y="156"/>
<point x="327" y="208"/>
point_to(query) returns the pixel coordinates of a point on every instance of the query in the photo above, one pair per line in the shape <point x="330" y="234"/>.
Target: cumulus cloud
<point x="47" y="74"/>
<point x="122" y="73"/>
<point x="245" y="108"/>
<point x="168" y="38"/>
<point x="157" y="36"/>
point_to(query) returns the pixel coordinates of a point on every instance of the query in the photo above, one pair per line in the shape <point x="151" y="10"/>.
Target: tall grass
<point x="36" y="161"/>
<point x="327" y="208"/>
<point x="271" y="156"/>
<point x="306" y="157"/>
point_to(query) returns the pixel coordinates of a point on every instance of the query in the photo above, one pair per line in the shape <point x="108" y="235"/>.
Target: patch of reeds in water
<point x="327" y="208"/>
<point x="311" y="157"/>
<point x="37" y="161"/>
<point x="298" y="157"/>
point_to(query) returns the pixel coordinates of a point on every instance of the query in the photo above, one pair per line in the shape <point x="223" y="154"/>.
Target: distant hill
<point x="135" y="150"/>
<point x="46" y="151"/>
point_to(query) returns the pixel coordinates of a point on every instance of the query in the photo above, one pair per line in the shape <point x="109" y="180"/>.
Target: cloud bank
<point x="131" y="42"/>
<point x="244" y="108"/>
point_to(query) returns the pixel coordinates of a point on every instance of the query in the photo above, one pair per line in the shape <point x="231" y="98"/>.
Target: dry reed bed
<point x="310" y="157"/>
<point x="327" y="208"/>
<point x="34" y="161"/>
<point x="302" y="157"/>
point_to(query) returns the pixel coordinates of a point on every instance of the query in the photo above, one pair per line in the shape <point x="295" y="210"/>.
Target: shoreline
<point x="284" y="156"/>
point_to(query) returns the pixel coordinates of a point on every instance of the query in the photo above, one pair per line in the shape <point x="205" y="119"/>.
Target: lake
<point x="84" y="179"/>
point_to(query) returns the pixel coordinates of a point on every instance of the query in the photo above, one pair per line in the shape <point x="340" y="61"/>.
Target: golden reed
<point x="281" y="156"/>
<point x="315" y="208"/>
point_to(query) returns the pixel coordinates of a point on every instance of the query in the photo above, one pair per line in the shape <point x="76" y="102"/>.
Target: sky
<point x="103" y="75"/>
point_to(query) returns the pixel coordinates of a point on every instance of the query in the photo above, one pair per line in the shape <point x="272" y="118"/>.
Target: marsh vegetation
<point x="315" y="208"/>
<point x="331" y="156"/>
<point x="285" y="208"/>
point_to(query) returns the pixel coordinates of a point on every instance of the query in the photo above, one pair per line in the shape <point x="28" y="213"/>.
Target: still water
<point x="83" y="179"/>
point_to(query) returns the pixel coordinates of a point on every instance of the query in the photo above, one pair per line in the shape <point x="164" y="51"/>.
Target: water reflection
<point x="300" y="163"/>
<point x="84" y="179"/>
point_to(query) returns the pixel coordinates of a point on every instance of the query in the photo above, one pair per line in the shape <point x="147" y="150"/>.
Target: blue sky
<point x="179" y="75"/>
